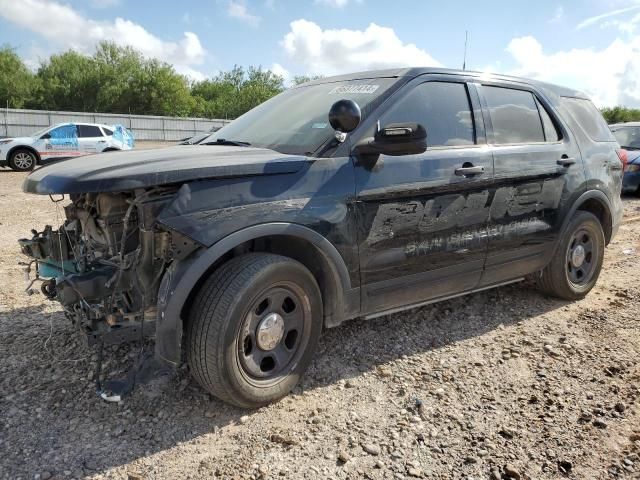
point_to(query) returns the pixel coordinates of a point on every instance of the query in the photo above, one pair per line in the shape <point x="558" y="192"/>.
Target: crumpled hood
<point x="127" y="170"/>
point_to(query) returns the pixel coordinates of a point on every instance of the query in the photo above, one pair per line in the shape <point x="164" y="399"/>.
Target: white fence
<point x="18" y="122"/>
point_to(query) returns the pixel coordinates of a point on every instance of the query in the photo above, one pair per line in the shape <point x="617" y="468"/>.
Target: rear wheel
<point x="22" y="160"/>
<point x="576" y="265"/>
<point x="253" y="329"/>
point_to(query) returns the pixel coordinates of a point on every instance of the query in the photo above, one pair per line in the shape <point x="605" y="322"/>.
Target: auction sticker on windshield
<point x="360" y="88"/>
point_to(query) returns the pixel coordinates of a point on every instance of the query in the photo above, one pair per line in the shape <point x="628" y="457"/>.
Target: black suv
<point x="351" y="196"/>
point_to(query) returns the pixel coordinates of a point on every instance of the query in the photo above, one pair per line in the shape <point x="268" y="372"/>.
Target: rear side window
<point x="550" y="131"/>
<point x="590" y="119"/>
<point x="514" y="116"/>
<point x="442" y="108"/>
<point x="88" y="131"/>
<point x="107" y="131"/>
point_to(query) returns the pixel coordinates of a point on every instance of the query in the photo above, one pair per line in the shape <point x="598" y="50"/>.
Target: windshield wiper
<point x="631" y="148"/>
<point x="223" y="141"/>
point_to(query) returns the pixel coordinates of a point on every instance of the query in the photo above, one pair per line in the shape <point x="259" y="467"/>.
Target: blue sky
<point x="592" y="45"/>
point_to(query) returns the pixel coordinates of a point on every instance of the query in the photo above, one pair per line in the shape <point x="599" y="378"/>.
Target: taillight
<point x="623" y="156"/>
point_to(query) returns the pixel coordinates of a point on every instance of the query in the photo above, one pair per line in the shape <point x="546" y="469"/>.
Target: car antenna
<point x="464" y="58"/>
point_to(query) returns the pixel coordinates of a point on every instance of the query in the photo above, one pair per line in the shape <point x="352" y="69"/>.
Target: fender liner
<point x="182" y="276"/>
<point x="602" y="198"/>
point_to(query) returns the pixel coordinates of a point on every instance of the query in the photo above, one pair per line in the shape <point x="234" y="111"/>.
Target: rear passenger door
<point x="91" y="139"/>
<point x="536" y="166"/>
<point x="423" y="220"/>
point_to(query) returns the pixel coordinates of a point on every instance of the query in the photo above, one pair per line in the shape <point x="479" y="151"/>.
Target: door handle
<point x="464" y="171"/>
<point x="566" y="161"/>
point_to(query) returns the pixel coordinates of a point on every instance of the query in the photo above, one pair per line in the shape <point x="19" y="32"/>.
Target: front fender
<point x="182" y="276"/>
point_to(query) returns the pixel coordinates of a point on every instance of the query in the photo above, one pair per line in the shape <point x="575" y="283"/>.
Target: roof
<point x="625" y="124"/>
<point x="483" y="76"/>
<point x="83" y="123"/>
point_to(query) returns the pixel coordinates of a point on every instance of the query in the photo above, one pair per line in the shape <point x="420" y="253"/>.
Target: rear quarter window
<point x="585" y="113"/>
<point x="514" y="116"/>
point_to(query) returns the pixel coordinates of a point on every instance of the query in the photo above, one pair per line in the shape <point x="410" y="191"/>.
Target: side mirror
<point x="344" y="117"/>
<point x="395" y="139"/>
<point x="46" y="136"/>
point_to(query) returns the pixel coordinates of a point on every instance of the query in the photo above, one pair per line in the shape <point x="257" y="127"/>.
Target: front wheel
<point x="576" y="265"/>
<point x="22" y="160"/>
<point x="253" y="329"/>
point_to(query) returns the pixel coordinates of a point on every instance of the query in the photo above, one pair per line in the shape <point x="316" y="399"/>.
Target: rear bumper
<point x="630" y="182"/>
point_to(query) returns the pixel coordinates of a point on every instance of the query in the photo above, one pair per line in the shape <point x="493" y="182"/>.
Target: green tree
<point x="129" y="83"/>
<point x="620" y="114"/>
<point x="232" y="93"/>
<point x="67" y="82"/>
<point x="17" y="83"/>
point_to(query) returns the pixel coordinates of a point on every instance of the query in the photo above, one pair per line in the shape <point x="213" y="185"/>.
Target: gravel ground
<point x="496" y="385"/>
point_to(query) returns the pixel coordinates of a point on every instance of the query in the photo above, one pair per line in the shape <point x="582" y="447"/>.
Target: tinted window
<point x="107" y="131"/>
<point x="628" y="137"/>
<point x="85" y="131"/>
<point x="550" y="131"/>
<point x="441" y="108"/>
<point x="587" y="115"/>
<point x="514" y="115"/>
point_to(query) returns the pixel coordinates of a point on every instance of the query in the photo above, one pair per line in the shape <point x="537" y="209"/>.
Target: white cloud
<point x="327" y="52"/>
<point x="335" y="3"/>
<point x="613" y="13"/>
<point x="610" y="76"/>
<point x="281" y="71"/>
<point x="238" y="9"/>
<point x="68" y="29"/>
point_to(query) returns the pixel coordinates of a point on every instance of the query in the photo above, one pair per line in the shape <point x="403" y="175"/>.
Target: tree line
<point x="118" y="79"/>
<point x="621" y="114"/>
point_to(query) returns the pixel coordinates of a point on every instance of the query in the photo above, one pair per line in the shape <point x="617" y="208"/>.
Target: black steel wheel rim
<point x="272" y="336"/>
<point x="582" y="255"/>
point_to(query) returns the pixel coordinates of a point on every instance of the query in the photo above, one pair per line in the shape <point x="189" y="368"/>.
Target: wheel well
<point x="111" y="149"/>
<point x="293" y="247"/>
<point x="600" y="210"/>
<point x="24" y="147"/>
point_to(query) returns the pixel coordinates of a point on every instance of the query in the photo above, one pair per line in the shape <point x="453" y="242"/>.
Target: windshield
<point x="40" y="132"/>
<point x="628" y="137"/>
<point x="296" y="121"/>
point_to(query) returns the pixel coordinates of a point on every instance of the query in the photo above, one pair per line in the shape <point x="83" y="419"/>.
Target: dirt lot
<point x="505" y="383"/>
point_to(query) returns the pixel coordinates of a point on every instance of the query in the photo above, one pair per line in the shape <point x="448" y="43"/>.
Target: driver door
<point x="423" y="220"/>
<point x="59" y="142"/>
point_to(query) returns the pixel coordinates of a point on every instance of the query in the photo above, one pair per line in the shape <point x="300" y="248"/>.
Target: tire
<point x="22" y="160"/>
<point x="572" y="272"/>
<point x="253" y="329"/>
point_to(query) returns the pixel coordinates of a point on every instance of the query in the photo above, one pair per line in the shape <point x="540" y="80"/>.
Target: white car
<point x="60" y="141"/>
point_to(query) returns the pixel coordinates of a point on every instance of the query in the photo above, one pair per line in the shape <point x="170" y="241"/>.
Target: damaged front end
<point x="105" y="262"/>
